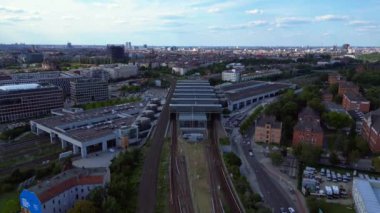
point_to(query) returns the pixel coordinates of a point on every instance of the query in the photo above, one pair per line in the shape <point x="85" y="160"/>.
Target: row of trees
<point x="247" y="123"/>
<point x="14" y="133"/>
<point x="121" y="194"/>
<point x="250" y="200"/>
<point x="111" y="102"/>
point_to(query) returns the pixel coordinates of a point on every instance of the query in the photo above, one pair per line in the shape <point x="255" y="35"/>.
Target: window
<point x="77" y="197"/>
<point x="53" y="201"/>
<point x="81" y="190"/>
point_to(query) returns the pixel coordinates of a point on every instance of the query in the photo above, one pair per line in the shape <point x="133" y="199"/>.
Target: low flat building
<point x="92" y="130"/>
<point x="61" y="192"/>
<point x="29" y="100"/>
<point x="268" y="130"/>
<point x="308" y="128"/>
<point x="88" y="90"/>
<point x="371" y="130"/>
<point x="347" y="87"/>
<point x="244" y="94"/>
<point x="355" y="101"/>
<point x="366" y="195"/>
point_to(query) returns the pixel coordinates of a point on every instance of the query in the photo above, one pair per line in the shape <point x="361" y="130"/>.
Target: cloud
<point x="213" y="10"/>
<point x="368" y="28"/>
<point x="331" y="17"/>
<point x="11" y="10"/>
<point x="68" y="17"/>
<point x="8" y="19"/>
<point x="359" y="22"/>
<point x="248" y="25"/>
<point x="289" y="21"/>
<point x="254" y="11"/>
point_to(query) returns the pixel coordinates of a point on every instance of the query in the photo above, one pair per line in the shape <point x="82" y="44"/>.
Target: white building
<point x="92" y="130"/>
<point x="366" y="195"/>
<point x="231" y="75"/>
<point x="60" y="193"/>
<point x="180" y="70"/>
<point x="117" y="71"/>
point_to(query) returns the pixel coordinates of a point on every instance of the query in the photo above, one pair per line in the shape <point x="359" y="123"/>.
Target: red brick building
<point x="334" y="78"/>
<point x="308" y="128"/>
<point x="355" y="101"/>
<point x="346" y="87"/>
<point x="327" y="96"/>
<point x="371" y="130"/>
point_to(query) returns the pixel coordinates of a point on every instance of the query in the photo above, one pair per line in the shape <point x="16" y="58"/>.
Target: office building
<point x="88" y="90"/>
<point x="116" y="53"/>
<point x="308" y="128"/>
<point x="355" y="101"/>
<point x="56" y="78"/>
<point x="60" y="193"/>
<point x="371" y="130"/>
<point x="23" y="101"/>
<point x="268" y="130"/>
<point x="231" y="75"/>
<point x="366" y="195"/>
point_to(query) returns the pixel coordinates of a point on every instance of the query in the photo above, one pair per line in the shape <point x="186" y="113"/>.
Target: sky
<point x="191" y="22"/>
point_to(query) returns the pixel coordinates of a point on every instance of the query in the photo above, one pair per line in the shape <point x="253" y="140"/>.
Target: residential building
<point x="355" y="101"/>
<point x="180" y="70"/>
<point x="60" y="193"/>
<point x="268" y="130"/>
<point x="327" y="96"/>
<point x="88" y="90"/>
<point x="371" y="130"/>
<point x="23" y="101"/>
<point x="308" y="128"/>
<point x="366" y="195"/>
<point x="358" y="118"/>
<point x="231" y="75"/>
<point x="334" y="78"/>
<point x="347" y="87"/>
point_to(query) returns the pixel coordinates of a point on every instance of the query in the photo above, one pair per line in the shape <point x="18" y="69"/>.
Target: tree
<point x="334" y="160"/>
<point x="97" y="196"/>
<point x="11" y="206"/>
<point x="276" y="158"/>
<point x="333" y="89"/>
<point x="353" y="156"/>
<point x="362" y="145"/>
<point x="376" y="163"/>
<point x="317" y="105"/>
<point x="337" y="120"/>
<point x="84" y="206"/>
<point x="307" y="153"/>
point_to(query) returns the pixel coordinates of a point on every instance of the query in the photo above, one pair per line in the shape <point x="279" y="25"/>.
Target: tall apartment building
<point x="308" y="128"/>
<point x="60" y="193"/>
<point x="268" y="130"/>
<point x="88" y="90"/>
<point x="22" y="101"/>
<point x="371" y="130"/>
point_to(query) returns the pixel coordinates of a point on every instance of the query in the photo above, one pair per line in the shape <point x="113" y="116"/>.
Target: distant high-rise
<point x="116" y="52"/>
<point x="128" y="45"/>
<point x="88" y="90"/>
<point x="69" y="45"/>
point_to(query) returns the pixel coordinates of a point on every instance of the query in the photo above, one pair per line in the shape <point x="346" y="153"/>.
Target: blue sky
<point x="192" y="22"/>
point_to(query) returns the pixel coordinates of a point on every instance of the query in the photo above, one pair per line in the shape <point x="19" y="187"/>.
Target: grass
<point x="198" y="175"/>
<point x="163" y="179"/>
<point x="326" y="207"/>
<point x="9" y="202"/>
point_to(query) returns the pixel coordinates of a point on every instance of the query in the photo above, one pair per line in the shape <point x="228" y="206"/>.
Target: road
<point x="148" y="183"/>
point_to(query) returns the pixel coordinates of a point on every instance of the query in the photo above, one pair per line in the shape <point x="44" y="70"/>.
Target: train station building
<point x="192" y="104"/>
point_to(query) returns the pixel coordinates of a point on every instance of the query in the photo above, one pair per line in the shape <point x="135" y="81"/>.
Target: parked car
<point x="291" y="210"/>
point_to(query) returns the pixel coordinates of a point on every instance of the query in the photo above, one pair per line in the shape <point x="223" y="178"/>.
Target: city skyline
<point x="191" y="23"/>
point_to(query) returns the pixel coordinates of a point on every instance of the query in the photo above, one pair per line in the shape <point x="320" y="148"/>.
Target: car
<point x="291" y="210"/>
<point x="283" y="210"/>
<point x="112" y="150"/>
<point x="250" y="153"/>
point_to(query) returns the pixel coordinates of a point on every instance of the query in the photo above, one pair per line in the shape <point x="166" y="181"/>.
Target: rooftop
<point x="355" y="97"/>
<point x="27" y="86"/>
<point x="68" y="179"/>
<point x="369" y="191"/>
<point x="263" y="120"/>
<point x="258" y="90"/>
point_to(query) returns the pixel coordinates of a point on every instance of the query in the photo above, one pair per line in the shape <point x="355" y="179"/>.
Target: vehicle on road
<point x="283" y="210"/>
<point x="291" y="210"/>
